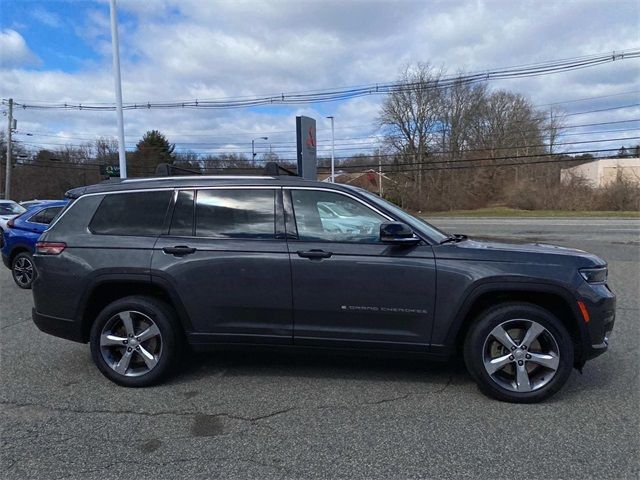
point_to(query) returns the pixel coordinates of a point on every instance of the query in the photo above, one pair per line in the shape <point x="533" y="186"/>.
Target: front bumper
<point x="58" y="327"/>
<point x="601" y="305"/>
<point x="5" y="260"/>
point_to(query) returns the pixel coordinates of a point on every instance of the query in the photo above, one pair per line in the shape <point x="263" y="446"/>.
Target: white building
<point x="600" y="173"/>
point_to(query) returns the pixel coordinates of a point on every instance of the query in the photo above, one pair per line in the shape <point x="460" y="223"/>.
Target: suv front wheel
<point x="519" y="352"/>
<point x="134" y="341"/>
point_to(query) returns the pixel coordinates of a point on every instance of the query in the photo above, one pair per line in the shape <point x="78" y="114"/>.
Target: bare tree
<point x="106" y="150"/>
<point x="553" y="127"/>
<point x="410" y="117"/>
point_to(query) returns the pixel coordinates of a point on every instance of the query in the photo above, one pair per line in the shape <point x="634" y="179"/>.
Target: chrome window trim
<point x="233" y="187"/>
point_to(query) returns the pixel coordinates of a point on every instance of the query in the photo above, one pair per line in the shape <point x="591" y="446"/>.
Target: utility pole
<point x="115" y="45"/>
<point x="333" y="148"/>
<point x="380" y="177"/>
<point x="7" y="178"/>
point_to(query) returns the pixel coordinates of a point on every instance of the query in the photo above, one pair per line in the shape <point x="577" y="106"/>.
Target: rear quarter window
<point x="136" y="213"/>
<point x="46" y="215"/>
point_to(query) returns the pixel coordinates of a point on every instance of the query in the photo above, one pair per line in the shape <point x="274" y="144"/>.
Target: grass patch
<point x="514" y="212"/>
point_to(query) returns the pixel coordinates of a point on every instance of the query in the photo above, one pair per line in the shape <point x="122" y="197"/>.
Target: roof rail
<point x="169" y="170"/>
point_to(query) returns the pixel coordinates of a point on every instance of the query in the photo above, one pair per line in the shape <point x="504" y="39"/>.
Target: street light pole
<point x="253" y="146"/>
<point x="333" y="148"/>
<point x="9" y="166"/>
<point x="115" y="45"/>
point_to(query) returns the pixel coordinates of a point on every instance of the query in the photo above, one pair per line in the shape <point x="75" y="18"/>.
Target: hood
<point x="514" y="251"/>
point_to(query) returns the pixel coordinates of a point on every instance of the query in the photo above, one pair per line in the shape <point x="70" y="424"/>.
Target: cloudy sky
<point x="60" y="51"/>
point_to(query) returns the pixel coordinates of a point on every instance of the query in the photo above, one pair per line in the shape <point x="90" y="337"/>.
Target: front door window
<point x="333" y="217"/>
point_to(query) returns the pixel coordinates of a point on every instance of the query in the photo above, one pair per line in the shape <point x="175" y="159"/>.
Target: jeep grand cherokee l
<point x="139" y="268"/>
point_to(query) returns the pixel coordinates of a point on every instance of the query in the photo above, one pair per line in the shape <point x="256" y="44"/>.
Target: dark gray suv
<point x="142" y="268"/>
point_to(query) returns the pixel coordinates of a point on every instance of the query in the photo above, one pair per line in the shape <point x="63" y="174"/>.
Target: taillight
<point x="10" y="223"/>
<point x="50" y="248"/>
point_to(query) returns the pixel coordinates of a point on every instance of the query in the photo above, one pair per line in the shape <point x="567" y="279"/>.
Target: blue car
<point x="21" y="236"/>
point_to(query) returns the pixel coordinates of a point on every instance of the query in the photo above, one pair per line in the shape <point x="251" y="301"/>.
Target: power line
<point x="404" y="167"/>
<point x="598" y="97"/>
<point x="236" y="148"/>
<point x="485" y="159"/>
<point x="329" y="95"/>
<point x="98" y="137"/>
<point x="513" y="164"/>
<point x="339" y="141"/>
<point x="466" y="151"/>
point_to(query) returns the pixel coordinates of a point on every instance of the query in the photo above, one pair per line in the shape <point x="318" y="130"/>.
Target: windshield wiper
<point x="455" y="238"/>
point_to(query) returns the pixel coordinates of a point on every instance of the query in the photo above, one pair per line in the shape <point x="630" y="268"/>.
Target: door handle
<point x="179" y="250"/>
<point x="312" y="254"/>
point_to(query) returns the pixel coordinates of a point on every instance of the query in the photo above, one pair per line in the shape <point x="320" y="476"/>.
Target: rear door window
<point x="235" y="213"/>
<point x="136" y="213"/>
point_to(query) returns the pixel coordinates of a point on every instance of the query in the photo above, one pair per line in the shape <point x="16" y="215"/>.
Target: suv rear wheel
<point x="23" y="270"/>
<point x="134" y="341"/>
<point x="519" y="353"/>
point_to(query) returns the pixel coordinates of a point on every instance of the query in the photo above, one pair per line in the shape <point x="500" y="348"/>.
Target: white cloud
<point x="188" y="49"/>
<point x="47" y="17"/>
<point x="14" y="50"/>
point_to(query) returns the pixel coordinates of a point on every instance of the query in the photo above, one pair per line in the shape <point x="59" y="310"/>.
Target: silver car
<point x="8" y="210"/>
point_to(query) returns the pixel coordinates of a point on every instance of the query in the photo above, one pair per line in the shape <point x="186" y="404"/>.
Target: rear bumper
<point x="58" y="327"/>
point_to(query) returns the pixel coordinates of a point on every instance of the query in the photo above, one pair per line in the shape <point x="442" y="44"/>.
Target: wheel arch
<point x="554" y="298"/>
<point x="108" y="288"/>
<point x="17" y="249"/>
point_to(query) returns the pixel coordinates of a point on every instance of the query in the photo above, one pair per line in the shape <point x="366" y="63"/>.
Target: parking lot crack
<point x="255" y="419"/>
<point x="411" y="394"/>
<point x="147" y="414"/>
<point x="14" y="324"/>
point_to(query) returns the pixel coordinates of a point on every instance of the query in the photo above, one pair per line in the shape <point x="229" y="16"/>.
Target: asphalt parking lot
<point x="232" y="415"/>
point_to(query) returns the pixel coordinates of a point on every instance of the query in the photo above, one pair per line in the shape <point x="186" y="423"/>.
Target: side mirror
<point x="397" y="233"/>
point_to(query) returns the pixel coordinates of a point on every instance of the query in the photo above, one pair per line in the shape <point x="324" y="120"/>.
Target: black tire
<point x="504" y="383"/>
<point x="23" y="270"/>
<point x="170" y="340"/>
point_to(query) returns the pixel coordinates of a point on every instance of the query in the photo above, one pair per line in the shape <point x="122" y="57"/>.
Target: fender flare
<point x="142" y="278"/>
<point x="514" y="285"/>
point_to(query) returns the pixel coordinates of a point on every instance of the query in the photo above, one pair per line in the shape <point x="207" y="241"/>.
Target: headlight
<point x="594" y="275"/>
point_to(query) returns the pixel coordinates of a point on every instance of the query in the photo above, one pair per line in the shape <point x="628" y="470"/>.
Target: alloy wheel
<point x="131" y="343"/>
<point x="521" y="355"/>
<point x="23" y="271"/>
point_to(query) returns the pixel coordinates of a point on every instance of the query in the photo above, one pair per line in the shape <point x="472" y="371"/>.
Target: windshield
<point x="414" y="222"/>
<point x="11" y="208"/>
